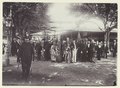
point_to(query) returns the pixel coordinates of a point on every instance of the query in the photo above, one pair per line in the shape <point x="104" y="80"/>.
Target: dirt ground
<point x="47" y="73"/>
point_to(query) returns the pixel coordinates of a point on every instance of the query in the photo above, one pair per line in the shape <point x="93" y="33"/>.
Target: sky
<point x="65" y="20"/>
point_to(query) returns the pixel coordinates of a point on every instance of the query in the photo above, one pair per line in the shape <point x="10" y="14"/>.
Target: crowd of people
<point x="68" y="50"/>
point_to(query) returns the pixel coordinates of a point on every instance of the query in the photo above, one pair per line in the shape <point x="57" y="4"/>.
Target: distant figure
<point x="63" y="49"/>
<point x="34" y="48"/>
<point x="78" y="51"/>
<point x="84" y="51"/>
<point x="68" y="54"/>
<point x="43" y="54"/>
<point x="74" y="52"/>
<point x="102" y="45"/>
<point x="99" y="51"/>
<point x="95" y="48"/>
<point x="114" y="48"/>
<point x="18" y="45"/>
<point x="53" y="51"/>
<point x="3" y="48"/>
<point x="59" y="50"/>
<point x="47" y="50"/>
<point x="105" y="50"/>
<point x="38" y="50"/>
<point x="90" y="51"/>
<point x="26" y="53"/>
<point x="14" y="47"/>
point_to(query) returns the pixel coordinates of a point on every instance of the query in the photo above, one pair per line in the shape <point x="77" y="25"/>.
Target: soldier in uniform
<point x="105" y="50"/>
<point x="14" y="47"/>
<point x="18" y="45"/>
<point x="99" y="51"/>
<point x="38" y="50"/>
<point x="47" y="50"/>
<point x="63" y="49"/>
<point x="114" y="48"/>
<point x="83" y="52"/>
<point x="26" y="53"/>
<point x="90" y="51"/>
<point x="78" y="51"/>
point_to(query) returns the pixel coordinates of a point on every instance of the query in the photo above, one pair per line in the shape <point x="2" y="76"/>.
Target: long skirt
<point x="74" y="54"/>
<point x="53" y="55"/>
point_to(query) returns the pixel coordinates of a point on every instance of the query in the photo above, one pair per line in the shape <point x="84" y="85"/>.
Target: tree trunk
<point x="8" y="48"/>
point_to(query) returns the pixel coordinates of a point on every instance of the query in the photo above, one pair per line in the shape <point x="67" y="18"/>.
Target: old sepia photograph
<point x="59" y="44"/>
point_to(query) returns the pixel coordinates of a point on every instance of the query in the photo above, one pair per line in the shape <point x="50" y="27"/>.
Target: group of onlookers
<point x="73" y="51"/>
<point x="67" y="50"/>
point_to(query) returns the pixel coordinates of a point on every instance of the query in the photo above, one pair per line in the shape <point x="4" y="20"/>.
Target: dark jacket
<point x="105" y="49"/>
<point x="99" y="50"/>
<point x="38" y="48"/>
<point x="90" y="49"/>
<point x="26" y="52"/>
<point x="114" y="47"/>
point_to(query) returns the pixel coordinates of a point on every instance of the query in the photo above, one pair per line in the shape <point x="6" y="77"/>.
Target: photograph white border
<point x="61" y="1"/>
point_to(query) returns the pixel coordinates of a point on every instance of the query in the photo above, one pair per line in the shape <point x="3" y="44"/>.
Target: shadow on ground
<point x="14" y="78"/>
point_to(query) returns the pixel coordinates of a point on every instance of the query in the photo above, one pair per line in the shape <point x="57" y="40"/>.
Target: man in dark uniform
<point x="59" y="57"/>
<point x="38" y="50"/>
<point x="79" y="52"/>
<point x="14" y="47"/>
<point x="99" y="51"/>
<point x="63" y="49"/>
<point x="114" y="48"/>
<point x="18" y="45"/>
<point x="26" y="53"/>
<point x="83" y="51"/>
<point x="47" y="50"/>
<point x="90" y="51"/>
<point x="105" y="50"/>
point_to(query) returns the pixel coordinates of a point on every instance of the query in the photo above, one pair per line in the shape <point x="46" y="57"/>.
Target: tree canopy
<point x="30" y="17"/>
<point x="107" y="12"/>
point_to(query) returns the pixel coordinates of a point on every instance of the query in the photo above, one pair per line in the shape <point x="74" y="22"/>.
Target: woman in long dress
<point x="74" y="52"/>
<point x="53" y="52"/>
<point x="68" y="54"/>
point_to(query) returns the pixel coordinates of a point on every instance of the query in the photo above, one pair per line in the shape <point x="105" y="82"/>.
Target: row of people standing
<point x="77" y="51"/>
<point x="68" y="51"/>
<point x="86" y="50"/>
<point x="63" y="51"/>
<point x="71" y="51"/>
<point x="42" y="50"/>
